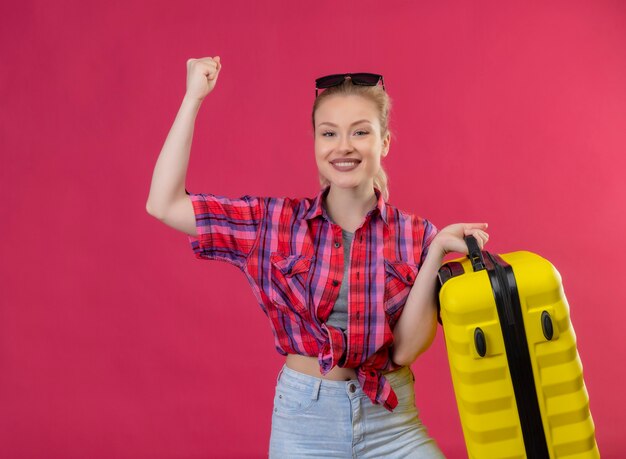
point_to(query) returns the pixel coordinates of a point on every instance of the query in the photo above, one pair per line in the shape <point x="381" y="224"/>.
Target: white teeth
<point x="346" y="164"/>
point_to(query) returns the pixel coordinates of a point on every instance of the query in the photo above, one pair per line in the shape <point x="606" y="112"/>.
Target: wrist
<point x="435" y="250"/>
<point x="192" y="101"/>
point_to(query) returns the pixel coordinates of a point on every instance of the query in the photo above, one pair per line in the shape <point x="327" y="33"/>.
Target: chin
<point x="346" y="184"/>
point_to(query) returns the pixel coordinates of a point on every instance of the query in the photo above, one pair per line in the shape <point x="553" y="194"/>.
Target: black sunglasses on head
<point x="364" y="79"/>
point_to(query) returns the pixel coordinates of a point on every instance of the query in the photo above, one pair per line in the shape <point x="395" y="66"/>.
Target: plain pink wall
<point x="116" y="342"/>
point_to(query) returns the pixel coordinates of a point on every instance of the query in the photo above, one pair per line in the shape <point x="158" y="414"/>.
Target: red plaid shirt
<point x="291" y="254"/>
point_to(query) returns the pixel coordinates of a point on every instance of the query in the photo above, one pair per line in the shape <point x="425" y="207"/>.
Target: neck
<point x="348" y="207"/>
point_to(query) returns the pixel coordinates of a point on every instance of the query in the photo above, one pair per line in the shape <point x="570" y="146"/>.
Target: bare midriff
<point x="309" y="365"/>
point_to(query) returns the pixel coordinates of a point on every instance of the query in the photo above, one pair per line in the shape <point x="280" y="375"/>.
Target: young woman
<point x="346" y="279"/>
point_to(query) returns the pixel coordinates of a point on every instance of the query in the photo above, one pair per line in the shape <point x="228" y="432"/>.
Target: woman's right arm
<point x="167" y="199"/>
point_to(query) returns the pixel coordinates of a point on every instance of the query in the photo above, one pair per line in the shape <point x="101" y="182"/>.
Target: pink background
<point x="116" y="342"/>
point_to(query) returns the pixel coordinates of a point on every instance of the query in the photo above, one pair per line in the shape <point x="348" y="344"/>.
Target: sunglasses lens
<point x="328" y="81"/>
<point x="367" y="79"/>
<point x="364" y="79"/>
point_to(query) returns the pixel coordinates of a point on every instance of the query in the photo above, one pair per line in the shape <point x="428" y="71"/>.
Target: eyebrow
<point x="356" y="122"/>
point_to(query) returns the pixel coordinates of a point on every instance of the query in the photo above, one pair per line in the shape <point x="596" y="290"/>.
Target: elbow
<point x="401" y="359"/>
<point x="153" y="212"/>
<point x="404" y="357"/>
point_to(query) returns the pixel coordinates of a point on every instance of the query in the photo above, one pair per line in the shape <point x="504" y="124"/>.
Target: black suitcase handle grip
<point x="475" y="255"/>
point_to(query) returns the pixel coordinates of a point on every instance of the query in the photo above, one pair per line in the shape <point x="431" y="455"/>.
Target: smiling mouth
<point x="344" y="166"/>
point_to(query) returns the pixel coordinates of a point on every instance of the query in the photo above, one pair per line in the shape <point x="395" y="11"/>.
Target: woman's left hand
<point x="451" y="238"/>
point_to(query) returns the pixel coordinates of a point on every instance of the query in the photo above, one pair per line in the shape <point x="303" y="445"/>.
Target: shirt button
<point x="372" y="373"/>
<point x="335" y="283"/>
<point x="352" y="387"/>
<point x="408" y="277"/>
<point x="337" y="244"/>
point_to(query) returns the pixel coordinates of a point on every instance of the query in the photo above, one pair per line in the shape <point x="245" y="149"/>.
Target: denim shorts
<point x="322" y="418"/>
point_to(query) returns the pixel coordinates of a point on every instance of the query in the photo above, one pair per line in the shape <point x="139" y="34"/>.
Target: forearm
<point x="416" y="328"/>
<point x="168" y="178"/>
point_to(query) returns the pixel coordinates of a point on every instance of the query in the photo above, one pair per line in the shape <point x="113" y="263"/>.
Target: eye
<point x="364" y="132"/>
<point x="326" y="132"/>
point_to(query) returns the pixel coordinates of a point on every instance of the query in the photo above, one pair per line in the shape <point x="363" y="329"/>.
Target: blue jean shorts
<point x="321" y="418"/>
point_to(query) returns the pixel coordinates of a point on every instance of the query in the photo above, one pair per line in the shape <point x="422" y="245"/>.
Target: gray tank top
<point x="339" y="315"/>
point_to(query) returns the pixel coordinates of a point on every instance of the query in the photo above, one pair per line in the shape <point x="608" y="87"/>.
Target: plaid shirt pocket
<point x="399" y="279"/>
<point x="289" y="279"/>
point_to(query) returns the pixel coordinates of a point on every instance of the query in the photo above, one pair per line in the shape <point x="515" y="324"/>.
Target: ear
<point x="386" y="143"/>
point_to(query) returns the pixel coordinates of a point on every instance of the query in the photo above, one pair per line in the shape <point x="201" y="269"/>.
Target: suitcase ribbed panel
<point x="558" y="371"/>
<point x="483" y="386"/>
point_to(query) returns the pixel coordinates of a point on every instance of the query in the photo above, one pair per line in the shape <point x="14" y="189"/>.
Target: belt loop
<point x="280" y="373"/>
<point x="316" y="389"/>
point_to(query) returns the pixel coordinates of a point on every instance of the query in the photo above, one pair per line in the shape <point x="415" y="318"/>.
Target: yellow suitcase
<point x="515" y="368"/>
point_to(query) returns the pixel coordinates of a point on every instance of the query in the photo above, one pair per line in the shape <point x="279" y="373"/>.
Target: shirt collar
<point x="317" y="208"/>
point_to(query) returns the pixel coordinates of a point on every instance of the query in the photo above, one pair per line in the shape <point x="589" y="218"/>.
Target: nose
<point x="345" y="144"/>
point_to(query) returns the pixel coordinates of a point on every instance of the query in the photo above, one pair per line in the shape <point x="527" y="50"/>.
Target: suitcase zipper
<point x="509" y="309"/>
<point x="507" y="304"/>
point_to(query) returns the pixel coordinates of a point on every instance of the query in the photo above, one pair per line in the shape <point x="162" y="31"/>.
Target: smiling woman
<point x="350" y="120"/>
<point x="346" y="279"/>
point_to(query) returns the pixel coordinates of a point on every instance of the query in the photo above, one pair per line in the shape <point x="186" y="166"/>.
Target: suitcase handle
<point x="475" y="255"/>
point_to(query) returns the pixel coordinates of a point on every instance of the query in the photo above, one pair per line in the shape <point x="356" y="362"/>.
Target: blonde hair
<point x="382" y="101"/>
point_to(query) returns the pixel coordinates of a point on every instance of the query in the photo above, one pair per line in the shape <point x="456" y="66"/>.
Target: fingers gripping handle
<point x="475" y="255"/>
